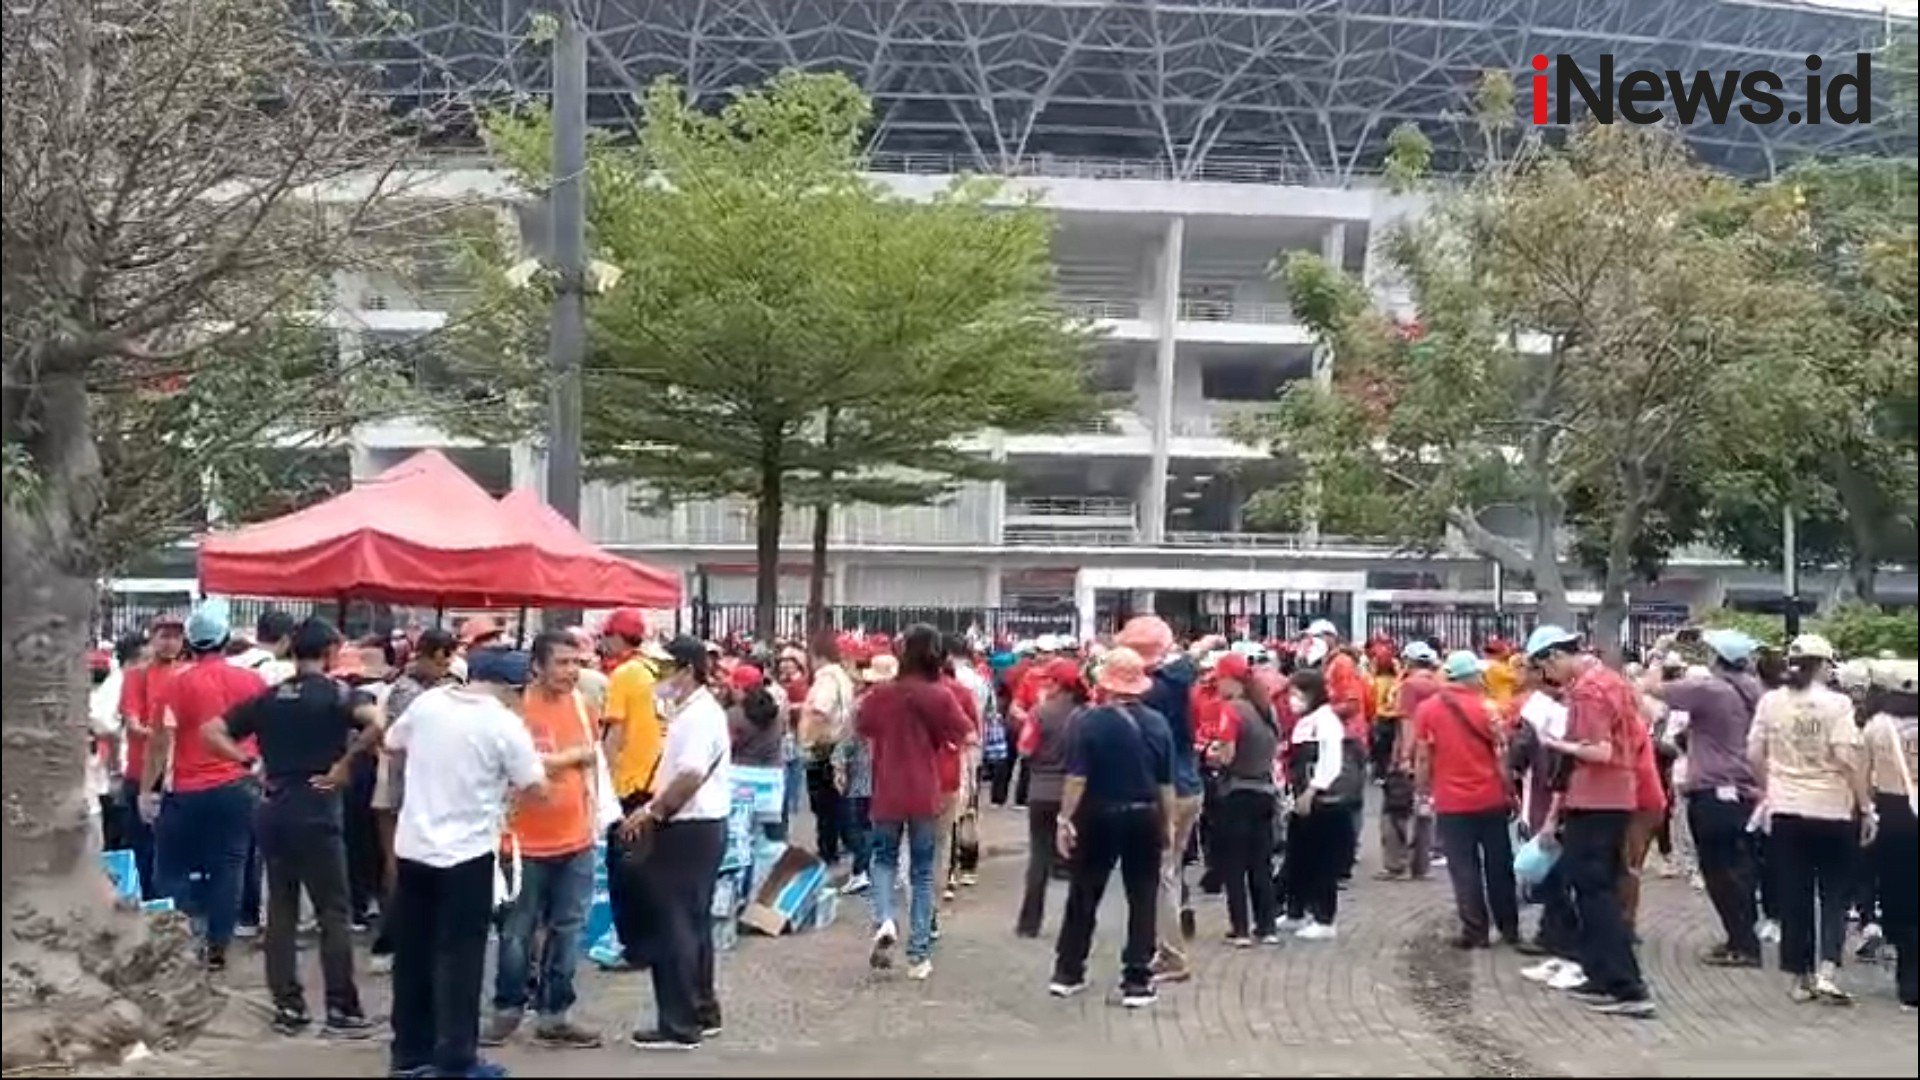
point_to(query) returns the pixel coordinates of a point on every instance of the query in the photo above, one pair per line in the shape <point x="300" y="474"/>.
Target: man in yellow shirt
<point x="634" y="740"/>
<point x="1500" y="677"/>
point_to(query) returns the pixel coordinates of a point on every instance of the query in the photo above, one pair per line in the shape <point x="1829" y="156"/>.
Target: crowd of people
<point x="451" y="788"/>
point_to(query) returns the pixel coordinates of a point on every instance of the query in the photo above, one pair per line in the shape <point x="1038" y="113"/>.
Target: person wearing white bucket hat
<point x="1806" y="753"/>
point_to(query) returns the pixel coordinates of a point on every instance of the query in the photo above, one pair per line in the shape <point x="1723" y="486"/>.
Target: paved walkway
<point x="1388" y="998"/>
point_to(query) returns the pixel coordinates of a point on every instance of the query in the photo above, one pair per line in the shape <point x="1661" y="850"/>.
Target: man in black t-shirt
<point x="307" y="731"/>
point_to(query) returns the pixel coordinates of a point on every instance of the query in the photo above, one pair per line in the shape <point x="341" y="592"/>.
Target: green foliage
<point x="1766" y="629"/>
<point x="1863" y="630"/>
<point x="1664" y="335"/>
<point x="784" y="329"/>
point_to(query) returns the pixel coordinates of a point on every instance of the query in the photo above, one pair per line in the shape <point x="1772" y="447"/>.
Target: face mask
<point x="1297" y="704"/>
<point x="669" y="694"/>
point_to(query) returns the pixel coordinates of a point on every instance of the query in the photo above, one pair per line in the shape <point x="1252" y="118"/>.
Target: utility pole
<point x="1790" y="569"/>
<point x="567" y="205"/>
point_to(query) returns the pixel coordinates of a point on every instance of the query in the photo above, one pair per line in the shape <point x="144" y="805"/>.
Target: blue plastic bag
<point x="1534" y="860"/>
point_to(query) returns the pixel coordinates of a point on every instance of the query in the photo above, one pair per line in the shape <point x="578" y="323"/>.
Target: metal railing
<point x="1046" y="536"/>
<point x="1088" y="308"/>
<point x="1090" y="506"/>
<point x="1217" y="170"/>
<point x="1196" y="309"/>
<point x="1280" y="541"/>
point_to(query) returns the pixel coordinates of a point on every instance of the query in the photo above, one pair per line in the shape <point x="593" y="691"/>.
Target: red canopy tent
<point x="570" y="565"/>
<point x="421" y="533"/>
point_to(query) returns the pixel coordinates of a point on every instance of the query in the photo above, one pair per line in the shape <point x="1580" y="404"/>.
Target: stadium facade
<point x="1183" y="145"/>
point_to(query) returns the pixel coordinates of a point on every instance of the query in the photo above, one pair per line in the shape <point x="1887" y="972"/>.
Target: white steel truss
<point x="1289" y="90"/>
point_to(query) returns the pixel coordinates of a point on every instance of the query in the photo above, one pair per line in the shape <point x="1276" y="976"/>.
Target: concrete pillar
<point x="1153" y="502"/>
<point x="1083" y="603"/>
<point x="990" y="585"/>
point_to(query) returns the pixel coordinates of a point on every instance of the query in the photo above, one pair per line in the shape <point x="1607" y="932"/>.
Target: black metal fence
<point x="716" y="622"/>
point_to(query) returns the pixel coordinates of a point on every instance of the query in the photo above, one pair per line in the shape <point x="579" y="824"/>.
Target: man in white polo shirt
<point x="465" y="754"/>
<point x="683" y="831"/>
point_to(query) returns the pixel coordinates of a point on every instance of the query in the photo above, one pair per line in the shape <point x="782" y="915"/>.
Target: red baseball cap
<point x="1232" y="666"/>
<point x="746" y="677"/>
<point x="625" y="622"/>
<point x="1062" y="671"/>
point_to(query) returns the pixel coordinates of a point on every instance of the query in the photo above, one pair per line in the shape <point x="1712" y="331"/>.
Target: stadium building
<point x="1183" y="145"/>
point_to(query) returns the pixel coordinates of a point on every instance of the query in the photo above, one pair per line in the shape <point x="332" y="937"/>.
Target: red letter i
<point x="1540" y="89"/>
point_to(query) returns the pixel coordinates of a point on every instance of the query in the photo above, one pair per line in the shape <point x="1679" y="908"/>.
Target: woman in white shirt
<point x="1892" y="740"/>
<point x="1805" y="750"/>
<point x="1323" y="820"/>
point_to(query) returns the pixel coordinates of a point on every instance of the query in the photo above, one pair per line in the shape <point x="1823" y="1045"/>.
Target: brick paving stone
<point x="1384" y="1000"/>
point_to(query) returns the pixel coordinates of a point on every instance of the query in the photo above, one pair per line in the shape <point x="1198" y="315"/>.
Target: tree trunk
<point x="1866" y="513"/>
<point x="766" y="551"/>
<point x="817" y="569"/>
<point x="85" y="981"/>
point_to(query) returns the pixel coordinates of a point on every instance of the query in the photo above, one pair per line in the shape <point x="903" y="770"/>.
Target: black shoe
<point x="564" y="1035"/>
<point x="1026" y="931"/>
<point x="348" y="1026"/>
<point x="659" y="1040"/>
<point x="288" y="1020"/>
<point x="1590" y="992"/>
<point x="215" y="959"/>
<point x="1725" y="957"/>
<point x="1138" y="997"/>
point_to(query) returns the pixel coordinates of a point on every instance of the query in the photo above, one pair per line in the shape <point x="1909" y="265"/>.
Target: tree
<point x="1844" y="232"/>
<point x="165" y="251"/>
<point x="1590" y="324"/>
<point x="785" y="331"/>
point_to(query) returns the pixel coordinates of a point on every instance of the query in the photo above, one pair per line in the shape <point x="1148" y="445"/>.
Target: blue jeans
<point x="201" y="842"/>
<point x="555" y="892"/>
<point x="921" y="834"/>
<point x="857" y="832"/>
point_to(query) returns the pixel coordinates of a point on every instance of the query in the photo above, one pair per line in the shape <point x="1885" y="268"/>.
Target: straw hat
<point x="1123" y="671"/>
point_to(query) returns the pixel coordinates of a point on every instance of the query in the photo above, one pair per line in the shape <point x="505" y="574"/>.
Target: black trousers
<point x="302" y="843"/>
<point x="441" y="916"/>
<point x="1129" y="837"/>
<point x="1559" y="918"/>
<point x="1043" y="821"/>
<point x="1813" y="863"/>
<point x="1318" y="850"/>
<point x="1894" y="855"/>
<point x="1593" y="851"/>
<point x="824" y="798"/>
<point x="679" y="875"/>
<point x="626" y="890"/>
<point x="366" y="866"/>
<point x="999" y="780"/>
<point x="1725" y="849"/>
<point x="1480" y="864"/>
<point x="1022" y="781"/>
<point x="139" y="837"/>
<point x="1244" y="849"/>
<point x="1380" y="749"/>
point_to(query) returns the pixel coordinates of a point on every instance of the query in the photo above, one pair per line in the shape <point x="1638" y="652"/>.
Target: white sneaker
<point x="249" y="930"/>
<point x="1544" y="971"/>
<point x="1569" y="976"/>
<point x="380" y="964"/>
<point x="1314" y="931"/>
<point x="969" y="880"/>
<point x="1288" y="924"/>
<point x="920" y="970"/>
<point x="856" y="884"/>
<point x="881" y="958"/>
<point x="1769" y="931"/>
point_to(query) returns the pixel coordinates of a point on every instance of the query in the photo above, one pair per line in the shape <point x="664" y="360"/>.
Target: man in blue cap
<point x="1712" y="715"/>
<point x="1592" y="811"/>
<point x="1406" y="835"/>
<point x="466" y="753"/>
<point x="204" y="823"/>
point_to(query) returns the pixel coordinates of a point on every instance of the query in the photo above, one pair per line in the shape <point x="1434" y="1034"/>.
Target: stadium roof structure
<point x="1300" y="91"/>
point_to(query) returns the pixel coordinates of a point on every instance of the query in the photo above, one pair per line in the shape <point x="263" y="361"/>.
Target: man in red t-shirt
<point x="1406" y="831"/>
<point x="1649" y="810"/>
<point x="140" y="692"/>
<point x="203" y="826"/>
<point x="1603" y="719"/>
<point x="1458" y="762"/>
